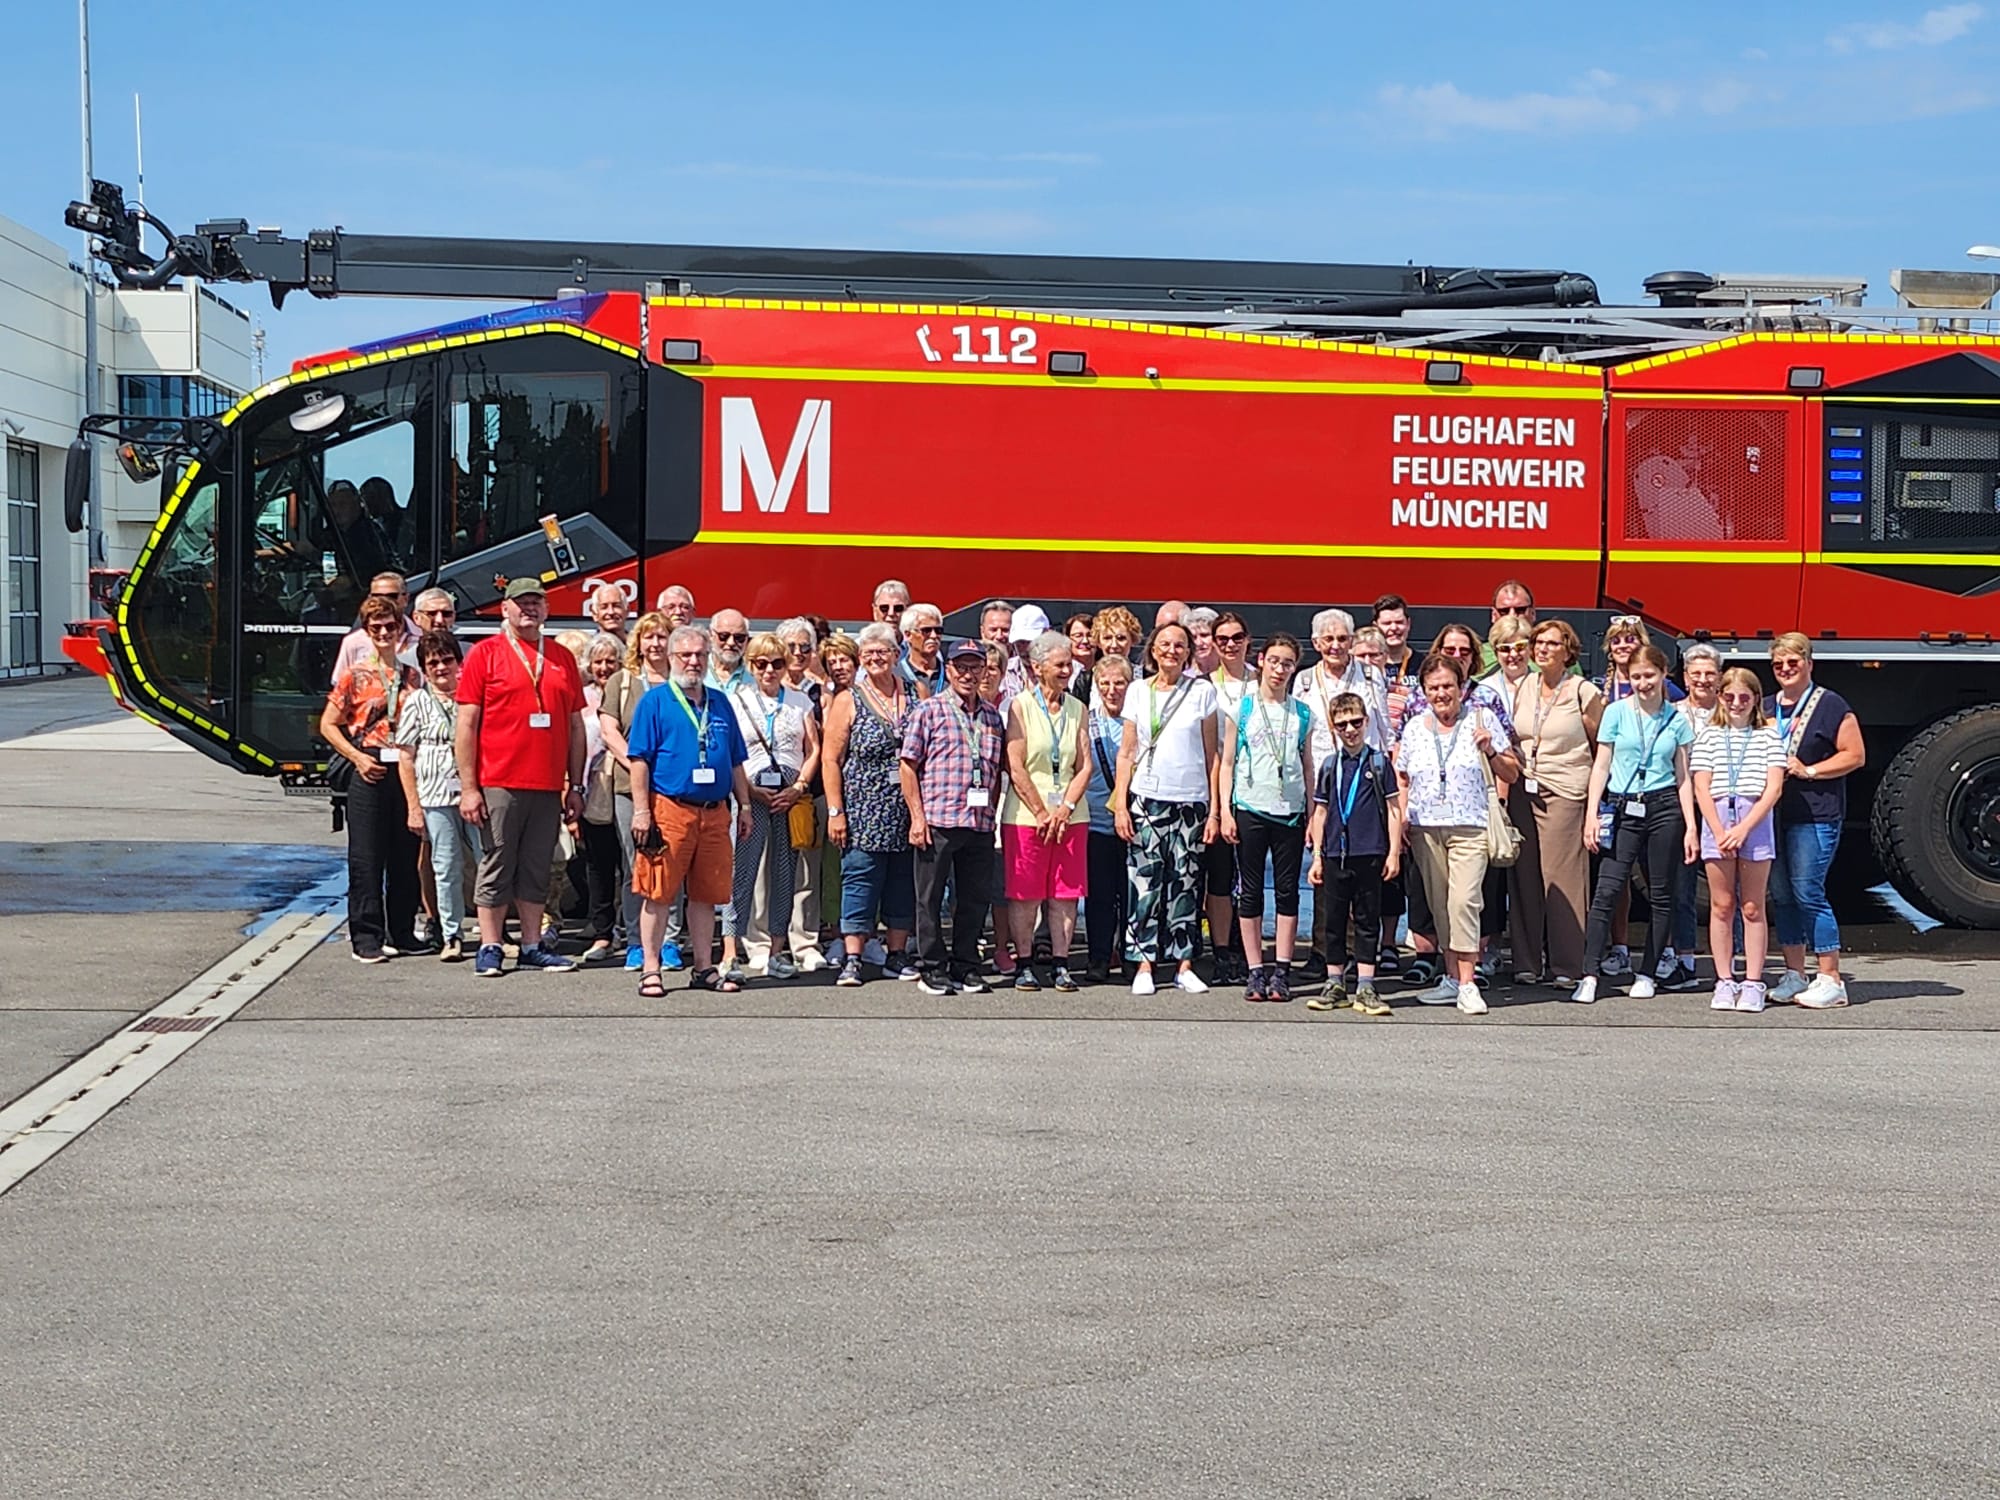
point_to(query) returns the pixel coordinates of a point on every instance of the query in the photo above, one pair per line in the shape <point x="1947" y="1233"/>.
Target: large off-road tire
<point x="1936" y="819"/>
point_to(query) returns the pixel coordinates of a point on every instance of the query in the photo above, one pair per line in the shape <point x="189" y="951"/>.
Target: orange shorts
<point x="697" y="853"/>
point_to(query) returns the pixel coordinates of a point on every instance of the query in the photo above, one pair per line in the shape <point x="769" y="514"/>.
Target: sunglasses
<point x="886" y="610"/>
<point x="1511" y="646"/>
<point x="731" y="637"/>
<point x="761" y="662"/>
<point x="1786" y="663"/>
<point x="1512" y="609"/>
<point x="796" y="649"/>
<point x="1233" y="638"/>
<point x="1739" y="697"/>
<point x="1349" y="723"/>
<point x="1465" y="651"/>
<point x="386" y="627"/>
<point x="1617" y="620"/>
<point x="927" y="630"/>
<point x="439" y="661"/>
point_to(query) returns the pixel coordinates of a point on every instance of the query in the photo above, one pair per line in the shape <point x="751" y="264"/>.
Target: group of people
<point x="1482" y="795"/>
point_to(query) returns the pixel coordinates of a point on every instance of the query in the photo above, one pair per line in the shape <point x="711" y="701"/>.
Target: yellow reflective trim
<point x="1071" y="320"/>
<point x="1770" y="559"/>
<point x="1125" y="545"/>
<point x="1908" y="559"/>
<point x="122" y="609"/>
<point x="1038" y="380"/>
<point x="1922" y="340"/>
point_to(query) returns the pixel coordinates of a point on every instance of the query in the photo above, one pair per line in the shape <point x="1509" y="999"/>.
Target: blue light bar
<point x="1845" y="497"/>
<point x="1848" y="476"/>
<point x="1851" y="454"/>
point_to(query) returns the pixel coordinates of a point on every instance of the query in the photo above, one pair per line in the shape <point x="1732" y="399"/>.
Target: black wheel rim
<point x="1973" y="818"/>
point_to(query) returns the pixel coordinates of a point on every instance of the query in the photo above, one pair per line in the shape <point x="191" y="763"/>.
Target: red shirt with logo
<point x="499" y="678"/>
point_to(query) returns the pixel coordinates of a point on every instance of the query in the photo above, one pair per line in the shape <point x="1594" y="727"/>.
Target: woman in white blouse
<point x="778" y="728"/>
<point x="1165" y="806"/>
<point x="1443" y="765"/>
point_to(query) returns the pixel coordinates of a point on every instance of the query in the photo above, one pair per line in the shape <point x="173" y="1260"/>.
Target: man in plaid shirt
<point x="951" y="782"/>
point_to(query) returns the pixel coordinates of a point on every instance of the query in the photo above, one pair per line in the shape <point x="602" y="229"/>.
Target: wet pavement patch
<point x="119" y="876"/>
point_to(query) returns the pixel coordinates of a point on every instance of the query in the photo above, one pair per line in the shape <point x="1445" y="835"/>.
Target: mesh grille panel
<point x="1705" y="475"/>
<point x="1932" y="481"/>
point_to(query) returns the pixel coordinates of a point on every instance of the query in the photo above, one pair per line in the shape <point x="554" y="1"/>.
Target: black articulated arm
<point x="336" y="263"/>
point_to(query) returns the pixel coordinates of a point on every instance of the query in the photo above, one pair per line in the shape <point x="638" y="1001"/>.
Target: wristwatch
<point x="836" y="812"/>
<point x="1812" y="773"/>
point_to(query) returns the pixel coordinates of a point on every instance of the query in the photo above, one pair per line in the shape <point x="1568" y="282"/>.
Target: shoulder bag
<point x="1503" y="841"/>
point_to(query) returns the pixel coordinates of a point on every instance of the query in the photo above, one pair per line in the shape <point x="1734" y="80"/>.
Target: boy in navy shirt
<point x="1357" y="838"/>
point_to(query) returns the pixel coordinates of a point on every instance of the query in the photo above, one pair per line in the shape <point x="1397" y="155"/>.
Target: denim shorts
<point x="872" y="883"/>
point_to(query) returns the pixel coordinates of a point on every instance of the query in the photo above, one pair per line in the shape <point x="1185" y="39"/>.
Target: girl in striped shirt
<point x="1738" y="769"/>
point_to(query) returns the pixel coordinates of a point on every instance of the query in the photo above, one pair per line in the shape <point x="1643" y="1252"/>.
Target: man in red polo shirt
<point x="520" y="737"/>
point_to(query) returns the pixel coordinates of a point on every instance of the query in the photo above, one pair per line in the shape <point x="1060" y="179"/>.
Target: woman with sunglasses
<point x="1164" y="807"/>
<point x="1823" y="747"/>
<point x="359" y="722"/>
<point x="867" y="818"/>
<point x="1623" y="639"/>
<point x="1082" y="653"/>
<point x="1556" y="711"/>
<point x="1645" y="806"/>
<point x="804" y="673"/>
<point x="1267" y="777"/>
<point x="427" y="729"/>
<point x="777" y="724"/>
<point x="1738" y="763"/>
<point x="1235" y="684"/>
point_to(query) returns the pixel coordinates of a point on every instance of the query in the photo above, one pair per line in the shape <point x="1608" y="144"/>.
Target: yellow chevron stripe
<point x="1040" y="381"/>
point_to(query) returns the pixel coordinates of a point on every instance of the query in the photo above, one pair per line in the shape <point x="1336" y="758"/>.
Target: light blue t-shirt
<point x="1635" y="738"/>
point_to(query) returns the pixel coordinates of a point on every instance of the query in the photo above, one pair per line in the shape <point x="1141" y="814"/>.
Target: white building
<point x="177" y="352"/>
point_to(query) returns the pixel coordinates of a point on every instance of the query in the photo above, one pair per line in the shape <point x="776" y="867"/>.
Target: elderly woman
<point x="1165" y="807"/>
<point x="1823" y="747"/>
<point x="1512" y="663"/>
<point x="605" y="870"/>
<point x="426" y="727"/>
<point x="1266" y="781"/>
<point x="359" y="722"/>
<point x="1044" y="817"/>
<point x="1446" y="758"/>
<point x="922" y="666"/>
<point x="867" y="818"/>
<point x="1115" y="632"/>
<point x="1201" y="625"/>
<point x="1082" y="649"/>
<point x="645" y="666"/>
<point x="803" y="674"/>
<point x="1104" y="894"/>
<point x="1643" y="805"/>
<point x="1556" y="713"/>
<point x="778" y="726"/>
<point x="841" y="656"/>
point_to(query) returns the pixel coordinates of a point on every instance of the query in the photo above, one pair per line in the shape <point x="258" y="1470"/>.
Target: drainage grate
<point x="174" y="1023"/>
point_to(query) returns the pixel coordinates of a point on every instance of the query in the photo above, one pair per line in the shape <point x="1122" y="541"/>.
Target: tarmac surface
<point x="391" y="1231"/>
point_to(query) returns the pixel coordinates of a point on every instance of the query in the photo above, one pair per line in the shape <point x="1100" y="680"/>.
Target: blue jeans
<point x="449" y="833"/>
<point x="1799" y="908"/>
<point x="872" y="882"/>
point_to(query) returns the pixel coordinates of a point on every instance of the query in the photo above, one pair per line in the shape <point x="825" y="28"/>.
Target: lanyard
<point x="700" y="724"/>
<point x="1222" y="680"/>
<point x="1444" y="748"/>
<point x="1345" y="803"/>
<point x="1733" y="756"/>
<point x="1057" y="746"/>
<point x="534" y="672"/>
<point x="447" y="709"/>
<point x="1097" y="739"/>
<point x="1160" y="718"/>
<point x="1542" y="707"/>
<point x="893" y="717"/>
<point x="392" y="688"/>
<point x="1271" y="737"/>
<point x="968" y="726"/>
<point x="1646" y="743"/>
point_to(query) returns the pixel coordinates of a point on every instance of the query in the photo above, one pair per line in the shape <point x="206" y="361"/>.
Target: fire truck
<point x="779" y="429"/>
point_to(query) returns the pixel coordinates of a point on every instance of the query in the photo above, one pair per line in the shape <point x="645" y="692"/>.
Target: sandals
<point x="653" y="985"/>
<point x="715" y="980"/>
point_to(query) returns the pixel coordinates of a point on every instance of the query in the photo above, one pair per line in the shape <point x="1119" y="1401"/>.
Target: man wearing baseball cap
<point x="520" y="739"/>
<point x="951" y="783"/>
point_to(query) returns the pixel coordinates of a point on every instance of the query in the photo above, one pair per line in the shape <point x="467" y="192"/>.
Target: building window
<point x="24" y="559"/>
<point x="172" y="396"/>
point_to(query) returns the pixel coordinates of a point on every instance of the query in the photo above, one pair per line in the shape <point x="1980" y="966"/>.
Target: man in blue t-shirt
<point x="687" y="755"/>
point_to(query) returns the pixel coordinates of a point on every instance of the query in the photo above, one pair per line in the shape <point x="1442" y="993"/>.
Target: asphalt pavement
<point x="393" y="1231"/>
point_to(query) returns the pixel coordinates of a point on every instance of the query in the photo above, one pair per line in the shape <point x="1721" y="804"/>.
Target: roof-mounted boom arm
<point x="336" y="263"/>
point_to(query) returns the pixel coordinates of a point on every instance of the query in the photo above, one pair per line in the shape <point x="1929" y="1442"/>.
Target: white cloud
<point x="1946" y="23"/>
<point x="841" y="177"/>
<point x="986" y="227"/>
<point x="1598" y="102"/>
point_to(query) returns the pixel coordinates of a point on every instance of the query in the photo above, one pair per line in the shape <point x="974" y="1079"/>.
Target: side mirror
<point x="76" y="485"/>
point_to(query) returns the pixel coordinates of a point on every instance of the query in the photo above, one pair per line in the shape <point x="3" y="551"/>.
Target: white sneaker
<point x="1585" y="992"/>
<point x="1142" y="982"/>
<point x="1669" y="961"/>
<point x="1470" y="1000"/>
<point x="1643" y="988"/>
<point x="1190" y="982"/>
<point x="1618" y="961"/>
<point x="1750" y="995"/>
<point x="811" y="960"/>
<point x="1789" y="988"/>
<point x="1824" y="993"/>
<point x="1727" y="991"/>
<point x="1444" y="992"/>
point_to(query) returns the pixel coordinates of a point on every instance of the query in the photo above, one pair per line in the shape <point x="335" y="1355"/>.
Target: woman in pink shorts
<point x="1738" y="769"/>
<point x="1044" y="818"/>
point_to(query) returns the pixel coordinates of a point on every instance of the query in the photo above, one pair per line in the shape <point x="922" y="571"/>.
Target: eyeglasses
<point x="1739" y="697"/>
<point x="1787" y="663"/>
<point x="1233" y="638"/>
<point x="1280" y="665"/>
<point x="1349" y="723"/>
<point x="439" y="661"/>
<point x="1336" y="640"/>
<point x="731" y="637"/>
<point x="687" y="655"/>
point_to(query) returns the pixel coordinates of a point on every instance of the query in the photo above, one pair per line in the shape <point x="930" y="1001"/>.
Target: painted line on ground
<point x="63" y="1106"/>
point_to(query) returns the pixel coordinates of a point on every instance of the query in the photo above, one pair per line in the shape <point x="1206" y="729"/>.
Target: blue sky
<point x="1615" y="140"/>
